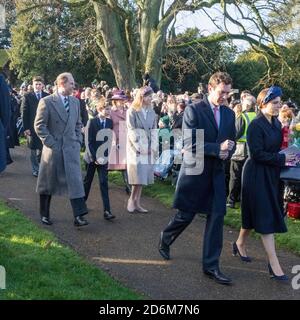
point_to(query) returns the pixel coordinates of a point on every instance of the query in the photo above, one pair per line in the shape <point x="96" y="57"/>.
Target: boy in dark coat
<point x="93" y="157"/>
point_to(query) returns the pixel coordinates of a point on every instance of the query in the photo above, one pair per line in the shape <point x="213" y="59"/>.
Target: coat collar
<point x="98" y="122"/>
<point x="275" y="122"/>
<point x="60" y="108"/>
<point x="118" y="114"/>
<point x="142" y="119"/>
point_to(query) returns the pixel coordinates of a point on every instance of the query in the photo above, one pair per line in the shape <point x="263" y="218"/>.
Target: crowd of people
<point x="130" y="131"/>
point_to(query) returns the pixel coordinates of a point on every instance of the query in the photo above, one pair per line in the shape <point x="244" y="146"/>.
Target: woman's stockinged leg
<point x="269" y="244"/>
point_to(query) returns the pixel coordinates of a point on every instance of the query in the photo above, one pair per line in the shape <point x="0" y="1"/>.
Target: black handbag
<point x="290" y="174"/>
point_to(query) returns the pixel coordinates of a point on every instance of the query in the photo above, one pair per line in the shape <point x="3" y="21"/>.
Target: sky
<point x="200" y="20"/>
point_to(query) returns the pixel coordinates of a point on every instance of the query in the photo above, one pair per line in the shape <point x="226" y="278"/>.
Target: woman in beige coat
<point x="141" y="146"/>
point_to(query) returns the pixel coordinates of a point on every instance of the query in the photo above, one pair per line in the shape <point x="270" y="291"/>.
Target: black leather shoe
<point x="218" y="276"/>
<point x="80" y="221"/>
<point x="108" y="215"/>
<point x="163" y="248"/>
<point x="230" y="204"/>
<point x="46" y="221"/>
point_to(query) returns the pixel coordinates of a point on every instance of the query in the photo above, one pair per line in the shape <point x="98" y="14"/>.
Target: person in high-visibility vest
<point x="239" y="157"/>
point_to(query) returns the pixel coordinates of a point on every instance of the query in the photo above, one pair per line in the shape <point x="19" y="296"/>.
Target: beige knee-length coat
<point x="142" y="137"/>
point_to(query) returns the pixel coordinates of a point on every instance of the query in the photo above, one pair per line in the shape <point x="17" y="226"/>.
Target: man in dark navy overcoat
<point x="205" y="192"/>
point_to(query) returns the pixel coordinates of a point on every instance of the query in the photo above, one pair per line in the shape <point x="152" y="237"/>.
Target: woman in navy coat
<point x="4" y="120"/>
<point x="262" y="199"/>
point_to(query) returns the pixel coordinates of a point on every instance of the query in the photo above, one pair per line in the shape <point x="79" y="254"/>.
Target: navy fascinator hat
<point x="272" y="93"/>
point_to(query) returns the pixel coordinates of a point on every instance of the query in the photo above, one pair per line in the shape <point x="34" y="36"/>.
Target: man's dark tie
<point x="67" y="104"/>
<point x="38" y="95"/>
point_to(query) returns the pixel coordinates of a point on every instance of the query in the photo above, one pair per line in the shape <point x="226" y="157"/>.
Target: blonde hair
<point x="237" y="110"/>
<point x="138" y="100"/>
<point x="286" y="114"/>
<point x="100" y="103"/>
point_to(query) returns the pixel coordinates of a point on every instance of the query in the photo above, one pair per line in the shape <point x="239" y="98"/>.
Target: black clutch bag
<point x="290" y="174"/>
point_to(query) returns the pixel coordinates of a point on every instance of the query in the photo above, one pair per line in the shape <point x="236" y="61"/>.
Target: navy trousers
<point x="213" y="235"/>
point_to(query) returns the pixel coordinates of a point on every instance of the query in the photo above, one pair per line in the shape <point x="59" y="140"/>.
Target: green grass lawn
<point x="164" y="191"/>
<point x="39" y="267"/>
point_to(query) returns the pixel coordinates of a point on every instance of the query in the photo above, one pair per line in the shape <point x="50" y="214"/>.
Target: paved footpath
<point x="127" y="247"/>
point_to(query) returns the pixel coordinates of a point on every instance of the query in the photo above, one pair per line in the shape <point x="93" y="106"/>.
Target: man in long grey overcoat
<point x="57" y="124"/>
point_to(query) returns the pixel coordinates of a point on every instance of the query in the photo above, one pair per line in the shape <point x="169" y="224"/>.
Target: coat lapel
<point x="73" y="110"/>
<point x="222" y="119"/>
<point x="34" y="97"/>
<point x="59" y="107"/>
<point x="142" y="119"/>
<point x="210" y="114"/>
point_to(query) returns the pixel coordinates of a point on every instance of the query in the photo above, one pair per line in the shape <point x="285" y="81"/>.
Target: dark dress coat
<point x="83" y="112"/>
<point x="177" y="120"/>
<point x="28" y="110"/>
<point x="93" y="143"/>
<point x="205" y="192"/>
<point x="262" y="199"/>
<point x="13" y="138"/>
<point x="4" y="120"/>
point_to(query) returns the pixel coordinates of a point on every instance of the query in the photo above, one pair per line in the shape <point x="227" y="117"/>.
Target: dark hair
<point x="289" y="104"/>
<point x="38" y="78"/>
<point x="219" y="77"/>
<point x="246" y="91"/>
<point x="234" y="103"/>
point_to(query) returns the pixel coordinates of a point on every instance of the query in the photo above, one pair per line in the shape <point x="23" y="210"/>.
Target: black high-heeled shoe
<point x="236" y="251"/>
<point x="278" y="278"/>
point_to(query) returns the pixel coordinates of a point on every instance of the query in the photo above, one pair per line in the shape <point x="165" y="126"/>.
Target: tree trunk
<point x="148" y="23"/>
<point x="114" y="45"/>
<point x="154" y="55"/>
<point x="152" y="41"/>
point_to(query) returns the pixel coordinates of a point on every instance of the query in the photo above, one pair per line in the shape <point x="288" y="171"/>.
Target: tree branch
<point x="49" y="3"/>
<point x="224" y="37"/>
